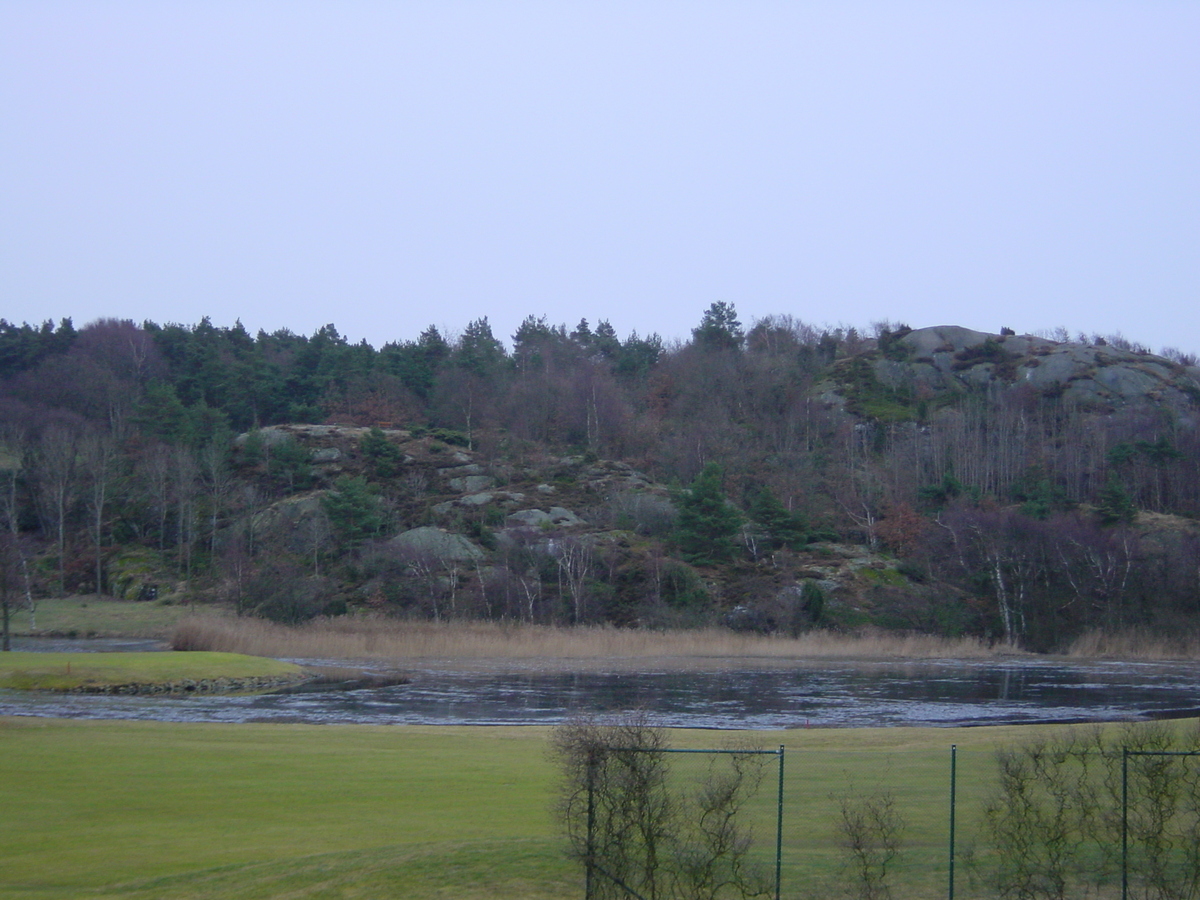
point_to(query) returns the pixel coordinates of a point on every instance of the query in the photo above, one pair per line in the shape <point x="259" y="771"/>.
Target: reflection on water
<point x="831" y="694"/>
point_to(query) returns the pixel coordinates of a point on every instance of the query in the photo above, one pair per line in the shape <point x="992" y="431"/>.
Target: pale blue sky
<point x="385" y="166"/>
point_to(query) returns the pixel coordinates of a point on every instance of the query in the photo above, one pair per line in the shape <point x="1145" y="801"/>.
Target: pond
<point x="729" y="694"/>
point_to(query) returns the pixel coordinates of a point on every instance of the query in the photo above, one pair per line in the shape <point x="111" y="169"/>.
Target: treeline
<point x="120" y="435"/>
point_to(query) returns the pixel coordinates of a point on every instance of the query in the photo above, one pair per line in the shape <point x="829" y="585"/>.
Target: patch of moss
<point x="450" y="436"/>
<point x="883" y="576"/>
<point x="136" y="574"/>
<point x="838" y="616"/>
<point x="990" y="351"/>
<point x="892" y="348"/>
<point x="867" y="396"/>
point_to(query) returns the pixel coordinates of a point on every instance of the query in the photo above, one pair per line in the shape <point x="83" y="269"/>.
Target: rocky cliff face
<point x="935" y="365"/>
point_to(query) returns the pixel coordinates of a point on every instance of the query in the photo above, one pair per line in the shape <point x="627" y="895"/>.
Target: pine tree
<point x="707" y="522"/>
<point x="384" y="459"/>
<point x="719" y="329"/>
<point x="785" y="529"/>
<point x="353" y="509"/>
<point x="1115" y="507"/>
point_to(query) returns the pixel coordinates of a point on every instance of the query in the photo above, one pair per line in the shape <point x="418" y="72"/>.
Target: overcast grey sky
<point x="385" y="166"/>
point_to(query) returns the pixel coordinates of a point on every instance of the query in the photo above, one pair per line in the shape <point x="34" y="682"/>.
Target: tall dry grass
<point x="1134" y="643"/>
<point x="377" y="638"/>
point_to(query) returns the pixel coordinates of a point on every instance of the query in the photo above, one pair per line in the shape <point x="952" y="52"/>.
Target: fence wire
<point x="700" y="824"/>
<point x="1040" y="819"/>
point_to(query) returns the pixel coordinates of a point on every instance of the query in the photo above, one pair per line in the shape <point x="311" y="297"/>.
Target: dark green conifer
<point x="707" y="522"/>
<point x="353" y="510"/>
<point x="384" y="459"/>
<point x="1115" y="506"/>
<point x="784" y="528"/>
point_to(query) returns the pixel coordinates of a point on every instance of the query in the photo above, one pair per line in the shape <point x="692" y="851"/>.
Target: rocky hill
<point x="552" y="533"/>
<point x="908" y="368"/>
<point x="781" y="478"/>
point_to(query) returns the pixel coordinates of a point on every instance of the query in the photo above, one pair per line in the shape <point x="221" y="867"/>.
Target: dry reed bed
<point x="1134" y="644"/>
<point x="390" y="639"/>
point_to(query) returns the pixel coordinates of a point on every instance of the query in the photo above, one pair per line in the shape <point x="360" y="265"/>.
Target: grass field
<point x="132" y="809"/>
<point x="69" y="671"/>
<point x="144" y="809"/>
<point x="91" y="616"/>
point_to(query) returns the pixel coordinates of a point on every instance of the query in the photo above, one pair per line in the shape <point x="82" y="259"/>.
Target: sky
<point x="387" y="166"/>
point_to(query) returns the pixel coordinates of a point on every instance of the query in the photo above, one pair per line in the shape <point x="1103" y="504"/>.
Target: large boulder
<point x="472" y="483"/>
<point x="293" y="522"/>
<point x="437" y="544"/>
<point x="950" y="359"/>
<point x="557" y="516"/>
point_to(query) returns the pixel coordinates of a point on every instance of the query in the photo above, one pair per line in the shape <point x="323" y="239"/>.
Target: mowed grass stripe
<point x="85" y="804"/>
<point x="506" y="870"/>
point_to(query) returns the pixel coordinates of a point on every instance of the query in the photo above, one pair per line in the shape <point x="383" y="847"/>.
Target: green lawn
<point x="137" y="809"/>
<point x="64" y="671"/>
<point x="159" y="810"/>
<point x="91" y="616"/>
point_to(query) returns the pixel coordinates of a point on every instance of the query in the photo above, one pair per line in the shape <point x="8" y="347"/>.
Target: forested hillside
<point x="780" y="477"/>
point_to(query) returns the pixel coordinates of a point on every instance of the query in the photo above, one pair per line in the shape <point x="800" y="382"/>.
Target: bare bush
<point x="645" y="513"/>
<point x="636" y="833"/>
<point x="871" y="831"/>
<point x="1061" y="810"/>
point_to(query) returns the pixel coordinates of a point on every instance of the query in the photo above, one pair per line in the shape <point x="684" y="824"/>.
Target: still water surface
<point x="745" y="694"/>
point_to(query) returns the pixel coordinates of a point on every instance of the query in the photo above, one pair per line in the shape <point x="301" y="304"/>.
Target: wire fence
<point x="663" y="823"/>
<point x="1035" y="820"/>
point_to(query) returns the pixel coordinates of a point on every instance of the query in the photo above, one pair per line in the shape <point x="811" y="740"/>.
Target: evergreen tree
<point x="353" y="510"/>
<point x="161" y="414"/>
<point x="384" y="459"/>
<point x="478" y="350"/>
<point x="1038" y="495"/>
<point x="291" y="465"/>
<point x="719" y="329"/>
<point x="582" y="335"/>
<point x="637" y="356"/>
<point x="785" y="529"/>
<point x="416" y="363"/>
<point x="1115" y="507"/>
<point x="605" y="340"/>
<point x="707" y="522"/>
<point x="936" y="496"/>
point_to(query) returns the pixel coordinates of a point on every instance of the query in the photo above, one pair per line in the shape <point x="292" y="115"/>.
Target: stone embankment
<point x="190" y="686"/>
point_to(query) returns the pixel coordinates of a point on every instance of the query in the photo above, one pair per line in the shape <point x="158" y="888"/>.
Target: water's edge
<point x="725" y="694"/>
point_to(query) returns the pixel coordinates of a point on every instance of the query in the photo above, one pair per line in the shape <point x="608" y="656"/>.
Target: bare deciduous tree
<point x="55" y="472"/>
<point x="871" y="831"/>
<point x="637" y="832"/>
<point x="98" y="461"/>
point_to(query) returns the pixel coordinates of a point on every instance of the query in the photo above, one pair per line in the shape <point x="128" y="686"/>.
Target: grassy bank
<point x="92" y="616"/>
<point x="93" y="671"/>
<point x="160" y="810"/>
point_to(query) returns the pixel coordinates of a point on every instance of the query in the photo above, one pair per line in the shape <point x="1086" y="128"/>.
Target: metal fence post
<point x="591" y="825"/>
<point x="1124" y="823"/>
<point x="1125" y="754"/>
<point x="779" y="831"/>
<point x="953" y="784"/>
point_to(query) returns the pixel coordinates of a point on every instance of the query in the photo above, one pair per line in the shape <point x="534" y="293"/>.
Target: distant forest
<point x="1030" y="518"/>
